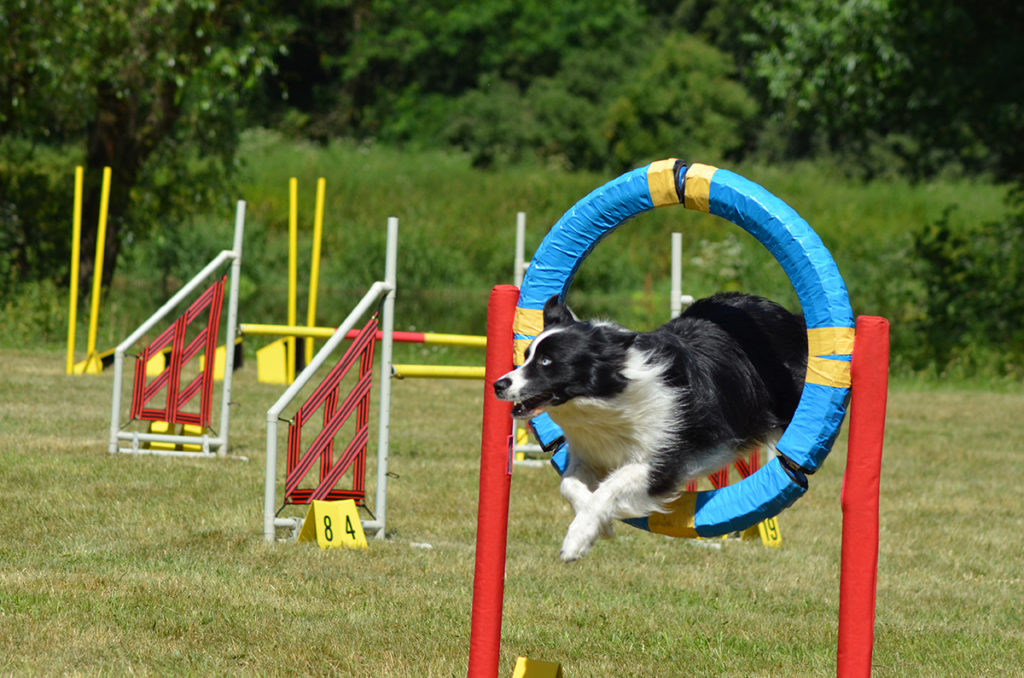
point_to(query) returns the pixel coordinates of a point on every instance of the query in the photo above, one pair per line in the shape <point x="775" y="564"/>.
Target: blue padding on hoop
<point x="733" y="508"/>
<point x="814" y="427"/>
<point x="813" y="273"/>
<point x="763" y="494"/>
<point x="571" y="239"/>
<point x="546" y="431"/>
<point x="822" y="292"/>
<point x="560" y="458"/>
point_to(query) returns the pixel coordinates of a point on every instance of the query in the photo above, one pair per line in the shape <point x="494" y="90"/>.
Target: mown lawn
<point x="116" y="565"/>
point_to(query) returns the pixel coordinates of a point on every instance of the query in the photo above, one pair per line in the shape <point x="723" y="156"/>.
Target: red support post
<point x="495" y="487"/>
<point x="859" y="560"/>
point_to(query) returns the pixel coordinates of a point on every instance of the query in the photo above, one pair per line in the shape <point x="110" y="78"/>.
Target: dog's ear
<point x="557" y="313"/>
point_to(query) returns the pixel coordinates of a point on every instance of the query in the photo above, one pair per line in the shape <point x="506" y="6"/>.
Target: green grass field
<point x="118" y="565"/>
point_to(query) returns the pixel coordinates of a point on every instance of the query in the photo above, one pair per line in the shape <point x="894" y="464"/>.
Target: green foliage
<point x="403" y="52"/>
<point x="35" y="214"/>
<point x="889" y="87"/>
<point x="36" y="315"/>
<point x="892" y="86"/>
<point x="829" y="64"/>
<point x="156" y="90"/>
<point x="456" y="235"/>
<point x="883" y="90"/>
<point x="681" y="101"/>
<point x="972" y="311"/>
<point x="679" y="98"/>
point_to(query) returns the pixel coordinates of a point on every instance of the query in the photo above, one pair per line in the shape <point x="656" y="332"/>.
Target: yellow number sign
<point x="332" y="524"/>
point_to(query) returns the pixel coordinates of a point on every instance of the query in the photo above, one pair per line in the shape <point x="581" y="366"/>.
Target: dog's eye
<point x="544" y="361"/>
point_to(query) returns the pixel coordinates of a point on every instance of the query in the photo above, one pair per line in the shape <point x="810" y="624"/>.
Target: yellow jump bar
<point x="256" y="329"/>
<point x="436" y="372"/>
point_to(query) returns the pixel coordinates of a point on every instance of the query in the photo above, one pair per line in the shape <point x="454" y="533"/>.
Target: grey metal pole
<point x="520" y="263"/>
<point x="232" y="328"/>
<point x="676" y="303"/>
<point x="384" y="423"/>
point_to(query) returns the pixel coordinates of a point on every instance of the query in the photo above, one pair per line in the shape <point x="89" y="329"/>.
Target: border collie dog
<point x="644" y="412"/>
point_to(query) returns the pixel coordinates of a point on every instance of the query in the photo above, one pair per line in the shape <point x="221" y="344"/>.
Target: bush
<point x="972" y="310"/>
<point x="36" y="190"/>
<point x="682" y="101"/>
<point x="680" y="98"/>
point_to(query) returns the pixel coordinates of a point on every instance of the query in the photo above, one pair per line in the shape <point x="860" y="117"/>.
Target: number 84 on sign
<point x="332" y="524"/>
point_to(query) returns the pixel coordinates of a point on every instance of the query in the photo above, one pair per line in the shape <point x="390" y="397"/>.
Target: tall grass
<point x="154" y="566"/>
<point x="459" y="221"/>
<point x="457" y="235"/>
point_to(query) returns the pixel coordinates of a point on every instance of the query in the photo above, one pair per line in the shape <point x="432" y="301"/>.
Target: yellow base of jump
<point x="163" y="428"/>
<point x="531" y="668"/>
<point x="219" y="361"/>
<point x="193" y="430"/>
<point x="272" y="363"/>
<point x="91" y="365"/>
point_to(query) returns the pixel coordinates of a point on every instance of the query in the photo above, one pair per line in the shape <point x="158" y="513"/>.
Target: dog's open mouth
<point x="530" y="407"/>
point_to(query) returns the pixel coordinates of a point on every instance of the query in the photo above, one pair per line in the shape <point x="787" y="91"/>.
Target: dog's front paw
<point x="583" y="532"/>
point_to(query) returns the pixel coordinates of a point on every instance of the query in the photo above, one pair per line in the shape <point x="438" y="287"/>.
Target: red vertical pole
<point x="495" y="486"/>
<point x="859" y="561"/>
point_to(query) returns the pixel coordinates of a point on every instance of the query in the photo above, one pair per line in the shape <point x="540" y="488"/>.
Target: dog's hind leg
<point x="623" y="494"/>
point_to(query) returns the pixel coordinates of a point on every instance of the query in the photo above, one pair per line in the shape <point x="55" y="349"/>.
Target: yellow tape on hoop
<point x="526" y="325"/>
<point x="698" y="187"/>
<point x="661" y="181"/>
<point x="827" y="351"/>
<point x="679" y="519"/>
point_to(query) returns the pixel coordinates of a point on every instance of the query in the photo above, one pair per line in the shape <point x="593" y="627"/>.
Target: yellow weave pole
<point x="293" y="246"/>
<point x="314" y="267"/>
<point x="93" y="364"/>
<point x="76" y="247"/>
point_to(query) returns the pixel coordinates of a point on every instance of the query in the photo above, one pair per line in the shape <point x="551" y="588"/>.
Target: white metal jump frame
<point x="211" y="446"/>
<point x="386" y="289"/>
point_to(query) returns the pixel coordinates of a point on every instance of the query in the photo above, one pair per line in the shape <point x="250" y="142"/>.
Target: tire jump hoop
<point x="836" y="368"/>
<point x="819" y="286"/>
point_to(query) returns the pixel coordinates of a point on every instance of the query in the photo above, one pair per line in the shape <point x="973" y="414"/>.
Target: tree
<point x="682" y="100"/>
<point x="154" y="89"/>
<point x="395" y="70"/>
<point x="830" y="69"/>
<point x="930" y="83"/>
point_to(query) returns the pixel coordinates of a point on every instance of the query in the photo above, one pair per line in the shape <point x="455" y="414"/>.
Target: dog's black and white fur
<point x="643" y="413"/>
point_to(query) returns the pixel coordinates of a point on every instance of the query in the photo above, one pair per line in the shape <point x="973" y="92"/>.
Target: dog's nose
<point x="502" y="385"/>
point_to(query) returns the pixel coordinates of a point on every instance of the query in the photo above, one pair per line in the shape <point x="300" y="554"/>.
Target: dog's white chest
<point x="606" y="433"/>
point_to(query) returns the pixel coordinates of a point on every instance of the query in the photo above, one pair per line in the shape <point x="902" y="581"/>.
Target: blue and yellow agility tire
<point x="818" y="284"/>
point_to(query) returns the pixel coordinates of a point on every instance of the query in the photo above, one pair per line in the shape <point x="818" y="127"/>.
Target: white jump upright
<point x="676" y="297"/>
<point x="209" y="445"/>
<point x="520" y="265"/>
<point x="381" y="289"/>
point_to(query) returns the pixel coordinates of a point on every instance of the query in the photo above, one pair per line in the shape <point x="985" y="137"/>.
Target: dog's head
<point x="570" y="358"/>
